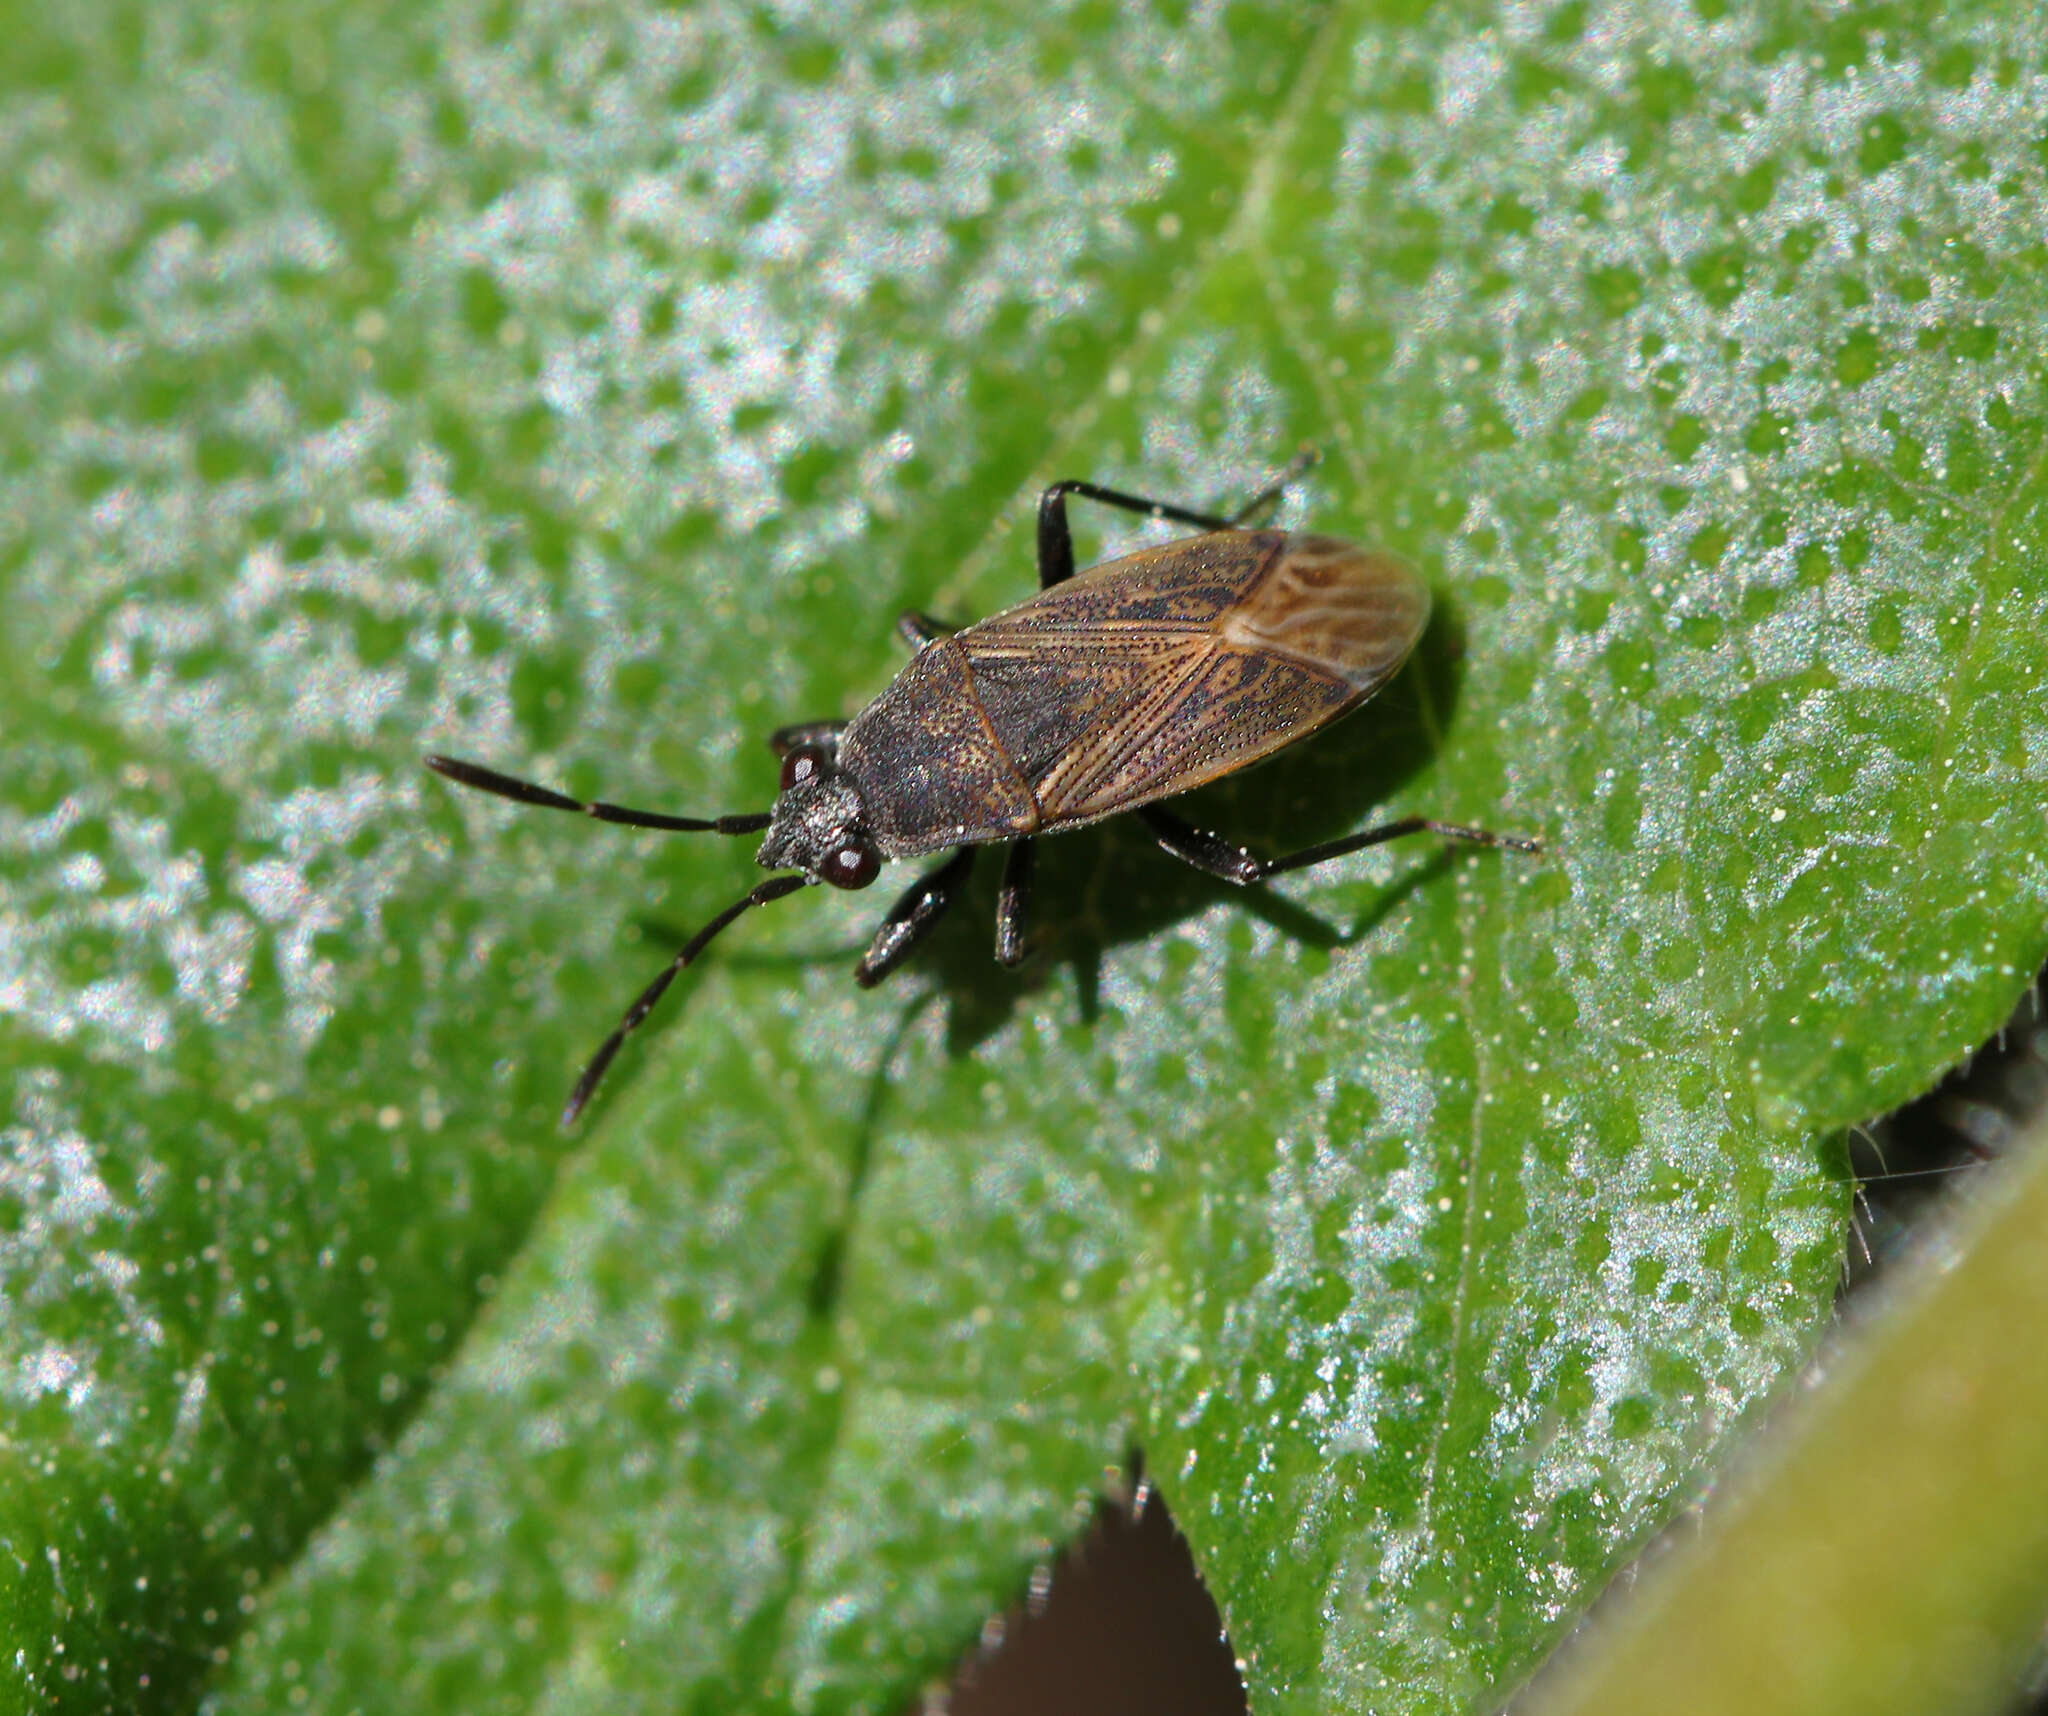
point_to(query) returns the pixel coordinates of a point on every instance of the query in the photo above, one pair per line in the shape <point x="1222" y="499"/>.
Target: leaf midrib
<point x="1068" y="435"/>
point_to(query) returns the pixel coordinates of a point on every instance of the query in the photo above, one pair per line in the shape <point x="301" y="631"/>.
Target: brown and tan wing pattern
<point x="1089" y="663"/>
<point x="932" y="768"/>
<point x="1152" y="674"/>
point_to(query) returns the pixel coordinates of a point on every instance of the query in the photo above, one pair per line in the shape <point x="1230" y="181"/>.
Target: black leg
<point x="917" y="629"/>
<point x="1305" y="460"/>
<point x="1056" y="538"/>
<point x="1234" y="864"/>
<point x="525" y="792"/>
<point x="808" y="735"/>
<point x="586" y="1086"/>
<point x="1013" y="903"/>
<point x="911" y="918"/>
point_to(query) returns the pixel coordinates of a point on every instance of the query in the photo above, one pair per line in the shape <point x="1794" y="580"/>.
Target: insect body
<point x="1106" y="692"/>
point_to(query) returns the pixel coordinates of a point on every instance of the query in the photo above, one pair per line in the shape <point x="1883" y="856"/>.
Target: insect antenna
<point x="525" y="792"/>
<point x="772" y="889"/>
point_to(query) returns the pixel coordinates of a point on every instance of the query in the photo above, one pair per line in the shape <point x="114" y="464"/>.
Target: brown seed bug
<point x="1134" y="681"/>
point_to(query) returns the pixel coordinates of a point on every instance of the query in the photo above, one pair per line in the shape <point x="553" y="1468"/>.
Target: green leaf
<point x="1883" y="1549"/>
<point x="585" y="394"/>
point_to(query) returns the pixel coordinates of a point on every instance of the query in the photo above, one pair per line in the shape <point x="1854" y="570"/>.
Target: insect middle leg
<point x="1013" y="902"/>
<point x="919" y="629"/>
<point x="912" y="918"/>
<point x="1217" y="856"/>
<point x="1056" y="537"/>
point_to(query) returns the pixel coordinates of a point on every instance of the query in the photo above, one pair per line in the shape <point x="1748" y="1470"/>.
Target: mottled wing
<point x="1099" y="657"/>
<point x="1155" y="673"/>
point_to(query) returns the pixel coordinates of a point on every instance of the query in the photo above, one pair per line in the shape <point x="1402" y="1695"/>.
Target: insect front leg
<point x="1013" y="903"/>
<point x="912" y="917"/>
<point x="1218" y="857"/>
<point x="807" y="735"/>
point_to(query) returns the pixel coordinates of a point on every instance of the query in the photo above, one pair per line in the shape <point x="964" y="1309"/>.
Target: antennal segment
<point x="772" y="889"/>
<point x="525" y="792"/>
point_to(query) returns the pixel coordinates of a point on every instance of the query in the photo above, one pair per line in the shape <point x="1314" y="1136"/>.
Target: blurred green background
<point x="583" y="389"/>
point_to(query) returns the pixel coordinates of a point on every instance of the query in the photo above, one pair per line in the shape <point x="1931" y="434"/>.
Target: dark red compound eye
<point x="852" y="867"/>
<point x="798" y="766"/>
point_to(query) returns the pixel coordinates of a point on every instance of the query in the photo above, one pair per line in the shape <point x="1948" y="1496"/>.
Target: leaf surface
<point x="585" y="394"/>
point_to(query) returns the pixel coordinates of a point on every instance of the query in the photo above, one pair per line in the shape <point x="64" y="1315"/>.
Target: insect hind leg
<point x="1302" y="462"/>
<point x="1056" y="537"/>
<point x="1218" y="857"/>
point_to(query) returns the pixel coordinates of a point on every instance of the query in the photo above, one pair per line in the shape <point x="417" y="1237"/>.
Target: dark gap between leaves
<point x="1122" y="1622"/>
<point x="1119" y="1623"/>
<point x="1909" y="1162"/>
<point x="1906" y="1165"/>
